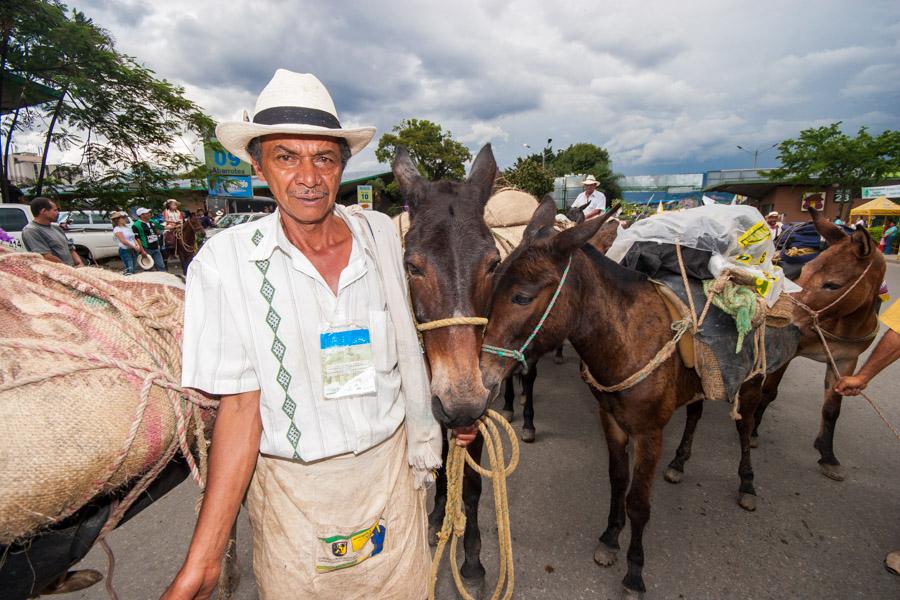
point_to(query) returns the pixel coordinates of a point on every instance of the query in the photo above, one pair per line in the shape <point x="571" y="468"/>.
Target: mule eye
<point x="831" y="286"/>
<point x="522" y="299"/>
<point x="413" y="270"/>
<point x="493" y="266"/>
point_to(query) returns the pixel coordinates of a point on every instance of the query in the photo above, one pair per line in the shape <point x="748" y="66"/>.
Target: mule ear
<point x="483" y="172"/>
<point x="407" y="175"/>
<point x="828" y="230"/>
<point x="571" y="239"/>
<point x="544" y="216"/>
<point x="863" y="244"/>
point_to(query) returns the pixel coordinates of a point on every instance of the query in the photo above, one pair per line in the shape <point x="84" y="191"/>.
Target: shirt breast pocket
<point x="384" y="340"/>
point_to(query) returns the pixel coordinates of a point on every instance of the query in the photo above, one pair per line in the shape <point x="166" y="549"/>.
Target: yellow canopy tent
<point x="879" y="207"/>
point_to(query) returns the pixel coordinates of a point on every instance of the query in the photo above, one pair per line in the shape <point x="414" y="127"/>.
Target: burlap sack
<point x="65" y="420"/>
<point x="509" y="207"/>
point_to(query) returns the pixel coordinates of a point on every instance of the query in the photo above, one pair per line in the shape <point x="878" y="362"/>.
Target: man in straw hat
<point x="299" y="321"/>
<point x="591" y="201"/>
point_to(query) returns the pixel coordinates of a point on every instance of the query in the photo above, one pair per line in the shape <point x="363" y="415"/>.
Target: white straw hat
<point x="590" y="180"/>
<point x="294" y="103"/>
<point x="145" y="261"/>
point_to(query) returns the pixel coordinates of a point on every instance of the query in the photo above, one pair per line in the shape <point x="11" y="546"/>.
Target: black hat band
<point x="296" y="115"/>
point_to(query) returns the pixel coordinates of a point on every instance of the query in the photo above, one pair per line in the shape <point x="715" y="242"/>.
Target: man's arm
<point x="232" y="459"/>
<point x="75" y="256"/>
<point x="886" y="352"/>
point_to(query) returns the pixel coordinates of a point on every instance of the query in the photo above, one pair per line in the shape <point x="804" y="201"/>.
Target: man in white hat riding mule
<point x="299" y="321"/>
<point x="591" y="201"/>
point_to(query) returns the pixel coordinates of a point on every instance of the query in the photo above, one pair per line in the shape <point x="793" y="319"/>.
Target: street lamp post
<point x="543" y="152"/>
<point x="756" y="152"/>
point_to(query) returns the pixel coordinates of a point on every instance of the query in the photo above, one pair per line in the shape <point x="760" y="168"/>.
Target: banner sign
<point x="228" y="174"/>
<point x="364" y="196"/>
<point x="814" y="199"/>
<point x="889" y="191"/>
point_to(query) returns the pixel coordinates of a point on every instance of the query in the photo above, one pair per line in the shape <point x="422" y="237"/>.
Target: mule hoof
<point x="630" y="594"/>
<point x="527" y="436"/>
<point x="523" y="400"/>
<point x="605" y="556"/>
<point x="634" y="586"/>
<point x="754" y="441"/>
<point x="673" y="475"/>
<point x="507" y="414"/>
<point x="558" y="360"/>
<point x="747" y="502"/>
<point x="74" y="581"/>
<point x="833" y="472"/>
<point x="474" y="586"/>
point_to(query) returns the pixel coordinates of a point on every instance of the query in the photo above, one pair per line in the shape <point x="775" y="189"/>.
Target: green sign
<point x="364" y="196"/>
<point x="221" y="162"/>
<point x="842" y="196"/>
<point x="888" y="191"/>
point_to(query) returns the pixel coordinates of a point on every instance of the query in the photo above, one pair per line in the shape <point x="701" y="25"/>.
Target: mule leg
<point x="528" y="411"/>
<point x="472" y="568"/>
<point x="558" y="357"/>
<point x="769" y="393"/>
<point x="509" y="395"/>
<point x="436" y="516"/>
<point x="829" y="465"/>
<point x="675" y="470"/>
<point x="750" y="395"/>
<point x="617" y="448"/>
<point x="647" y="450"/>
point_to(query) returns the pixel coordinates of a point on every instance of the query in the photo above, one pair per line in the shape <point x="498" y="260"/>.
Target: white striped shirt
<point x="254" y="309"/>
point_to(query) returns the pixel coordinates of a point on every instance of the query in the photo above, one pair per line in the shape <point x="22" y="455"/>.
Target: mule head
<point x="840" y="266"/>
<point x="529" y="280"/>
<point x="450" y="261"/>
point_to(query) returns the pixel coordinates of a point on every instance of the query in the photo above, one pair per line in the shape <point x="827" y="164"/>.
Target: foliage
<point x="127" y="123"/>
<point x="587" y="159"/>
<point x="825" y="156"/>
<point x="528" y="175"/>
<point x="435" y="152"/>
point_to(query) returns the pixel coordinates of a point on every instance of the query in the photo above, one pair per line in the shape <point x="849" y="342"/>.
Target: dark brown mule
<point x="450" y="261"/>
<point x="617" y="322"/>
<point x="850" y="265"/>
<point x="186" y="241"/>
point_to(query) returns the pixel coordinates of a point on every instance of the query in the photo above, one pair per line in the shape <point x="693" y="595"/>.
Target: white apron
<point x="309" y="517"/>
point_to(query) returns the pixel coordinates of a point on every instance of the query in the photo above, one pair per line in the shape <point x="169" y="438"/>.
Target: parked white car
<point x="87" y="220"/>
<point x="232" y="219"/>
<point x="92" y="246"/>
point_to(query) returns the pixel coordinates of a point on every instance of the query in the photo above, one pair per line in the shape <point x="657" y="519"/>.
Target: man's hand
<point x="851" y="385"/>
<point x="193" y="583"/>
<point x="465" y="435"/>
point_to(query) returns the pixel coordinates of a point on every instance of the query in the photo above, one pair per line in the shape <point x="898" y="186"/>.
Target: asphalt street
<point x="809" y="538"/>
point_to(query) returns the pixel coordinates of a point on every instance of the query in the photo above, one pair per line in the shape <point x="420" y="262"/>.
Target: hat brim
<point x="235" y="135"/>
<point x="145" y="261"/>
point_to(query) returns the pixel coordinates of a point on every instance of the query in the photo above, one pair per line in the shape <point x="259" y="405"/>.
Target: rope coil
<point x="454" y="525"/>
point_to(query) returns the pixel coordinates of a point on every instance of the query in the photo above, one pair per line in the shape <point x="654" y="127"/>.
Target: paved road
<point x="810" y="537"/>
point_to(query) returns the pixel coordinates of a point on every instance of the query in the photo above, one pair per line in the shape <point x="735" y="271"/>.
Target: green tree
<point x="435" y="152"/>
<point x="826" y="157"/>
<point x="126" y="122"/>
<point x="528" y="175"/>
<point x="587" y="159"/>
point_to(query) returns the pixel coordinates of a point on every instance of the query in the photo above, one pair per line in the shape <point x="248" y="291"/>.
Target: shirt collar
<point x="269" y="235"/>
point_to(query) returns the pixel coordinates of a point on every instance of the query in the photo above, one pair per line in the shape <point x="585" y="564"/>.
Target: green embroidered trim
<point x="273" y="320"/>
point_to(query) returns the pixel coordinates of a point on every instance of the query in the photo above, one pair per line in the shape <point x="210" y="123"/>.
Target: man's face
<point x="52" y="213"/>
<point x="772" y="219"/>
<point x="303" y="172"/>
<point x="589" y="188"/>
<point x="145" y="217"/>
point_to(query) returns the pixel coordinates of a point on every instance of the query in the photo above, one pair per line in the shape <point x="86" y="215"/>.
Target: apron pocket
<point x="345" y="548"/>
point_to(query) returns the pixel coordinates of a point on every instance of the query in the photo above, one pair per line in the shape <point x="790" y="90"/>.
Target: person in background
<point x="206" y="220"/>
<point x="147" y="233"/>
<point x="886" y="352"/>
<point x="591" y="201"/>
<point x="889" y="236"/>
<point x="129" y="247"/>
<point x="860" y="223"/>
<point x="838" y="221"/>
<point x="172" y="219"/>
<point x="775" y="226"/>
<point x="47" y="238"/>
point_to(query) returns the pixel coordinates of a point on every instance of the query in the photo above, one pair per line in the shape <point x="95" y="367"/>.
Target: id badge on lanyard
<point x="348" y="368"/>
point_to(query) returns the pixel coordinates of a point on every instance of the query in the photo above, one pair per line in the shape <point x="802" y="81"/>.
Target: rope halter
<point x="519" y="355"/>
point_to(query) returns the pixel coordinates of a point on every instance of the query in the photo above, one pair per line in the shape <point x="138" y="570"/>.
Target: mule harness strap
<point x="451" y="321"/>
<point x="454" y="525"/>
<point x="519" y="354"/>
<point x="815" y="314"/>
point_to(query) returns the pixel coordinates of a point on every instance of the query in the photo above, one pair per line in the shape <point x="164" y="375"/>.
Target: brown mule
<point x="843" y="283"/>
<point x="450" y="261"/>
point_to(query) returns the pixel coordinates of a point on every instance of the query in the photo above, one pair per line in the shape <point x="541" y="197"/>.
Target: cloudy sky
<point x="666" y="86"/>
